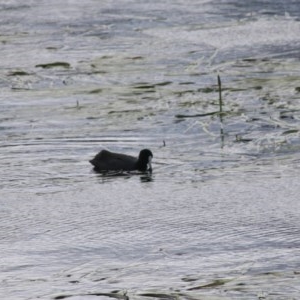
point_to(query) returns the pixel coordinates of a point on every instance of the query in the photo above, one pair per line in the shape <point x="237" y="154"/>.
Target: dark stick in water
<point x="221" y="111"/>
<point x="220" y="94"/>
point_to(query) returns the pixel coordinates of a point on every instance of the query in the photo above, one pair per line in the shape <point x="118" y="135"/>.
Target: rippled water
<point x="219" y="216"/>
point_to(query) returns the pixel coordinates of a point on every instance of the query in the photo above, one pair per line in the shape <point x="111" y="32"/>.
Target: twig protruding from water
<point x="221" y="111"/>
<point x="220" y="94"/>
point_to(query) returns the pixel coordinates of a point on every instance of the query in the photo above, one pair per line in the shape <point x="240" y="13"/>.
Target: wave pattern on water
<point x="219" y="215"/>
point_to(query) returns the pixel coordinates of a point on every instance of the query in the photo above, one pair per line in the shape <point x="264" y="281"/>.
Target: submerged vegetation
<point x="57" y="64"/>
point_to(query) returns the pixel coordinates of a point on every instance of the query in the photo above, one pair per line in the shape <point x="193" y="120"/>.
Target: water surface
<point x="219" y="216"/>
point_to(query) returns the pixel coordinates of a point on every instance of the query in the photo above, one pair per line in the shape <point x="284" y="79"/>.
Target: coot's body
<point x="111" y="161"/>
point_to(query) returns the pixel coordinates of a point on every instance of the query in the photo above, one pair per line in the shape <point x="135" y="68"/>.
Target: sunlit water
<point x="219" y="216"/>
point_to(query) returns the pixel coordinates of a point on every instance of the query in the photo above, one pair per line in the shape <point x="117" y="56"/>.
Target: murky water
<point x="219" y="216"/>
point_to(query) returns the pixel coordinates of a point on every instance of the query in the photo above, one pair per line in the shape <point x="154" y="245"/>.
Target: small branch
<point x="220" y="94"/>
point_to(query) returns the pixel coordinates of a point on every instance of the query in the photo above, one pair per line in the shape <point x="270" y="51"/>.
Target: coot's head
<point x="144" y="160"/>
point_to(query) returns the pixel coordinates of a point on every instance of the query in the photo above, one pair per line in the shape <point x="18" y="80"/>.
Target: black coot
<point x="110" y="161"/>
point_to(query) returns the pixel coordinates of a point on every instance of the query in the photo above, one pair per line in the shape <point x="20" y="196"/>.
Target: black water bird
<point x="111" y="161"/>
